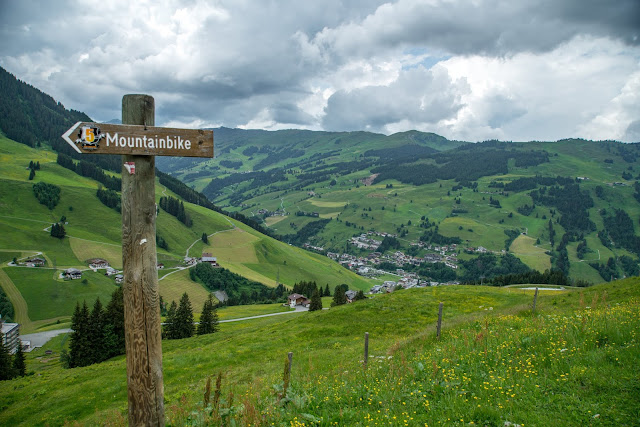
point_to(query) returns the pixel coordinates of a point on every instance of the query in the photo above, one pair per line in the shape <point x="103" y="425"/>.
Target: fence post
<point x="535" y="298"/>
<point x="366" y="348"/>
<point x="290" y="356"/>
<point x="439" y="321"/>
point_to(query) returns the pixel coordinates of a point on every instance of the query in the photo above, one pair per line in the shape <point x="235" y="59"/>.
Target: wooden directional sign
<point x="97" y="138"/>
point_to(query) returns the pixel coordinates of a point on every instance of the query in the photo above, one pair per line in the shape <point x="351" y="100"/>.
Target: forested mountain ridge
<point x="557" y="195"/>
<point x="560" y="205"/>
<point x="32" y="117"/>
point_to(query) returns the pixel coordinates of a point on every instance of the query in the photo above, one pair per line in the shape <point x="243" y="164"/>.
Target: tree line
<point x="30" y="116"/>
<point x="306" y="232"/>
<point x="179" y="319"/>
<point x="109" y="198"/>
<point x="6" y="307"/>
<point x="465" y="163"/>
<point x="98" y="334"/>
<point x="549" y="277"/>
<point x="240" y="290"/>
<point x="175" y="207"/>
<point x="89" y="170"/>
<point x="619" y="227"/>
<point x="11" y="366"/>
<point x="489" y="265"/>
<point x="572" y="203"/>
<point x="532" y="182"/>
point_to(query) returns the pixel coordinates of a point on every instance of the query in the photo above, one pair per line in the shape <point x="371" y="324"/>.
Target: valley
<point x="412" y="219"/>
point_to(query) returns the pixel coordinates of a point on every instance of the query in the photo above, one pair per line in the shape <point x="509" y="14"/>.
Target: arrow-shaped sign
<point x="96" y="138"/>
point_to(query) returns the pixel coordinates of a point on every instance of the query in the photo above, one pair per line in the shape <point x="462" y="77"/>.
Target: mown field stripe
<point x="19" y="304"/>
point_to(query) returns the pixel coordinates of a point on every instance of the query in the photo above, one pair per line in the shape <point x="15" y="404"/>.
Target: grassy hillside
<point x="94" y="230"/>
<point x="331" y="175"/>
<point x="495" y="363"/>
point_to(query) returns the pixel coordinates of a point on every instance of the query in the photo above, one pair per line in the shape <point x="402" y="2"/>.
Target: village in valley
<point x="366" y="265"/>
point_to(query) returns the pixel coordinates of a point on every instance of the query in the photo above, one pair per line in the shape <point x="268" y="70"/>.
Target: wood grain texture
<point x="140" y="286"/>
<point x="148" y="140"/>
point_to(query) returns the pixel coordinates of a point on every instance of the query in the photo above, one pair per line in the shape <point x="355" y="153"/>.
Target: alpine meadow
<point x="330" y="265"/>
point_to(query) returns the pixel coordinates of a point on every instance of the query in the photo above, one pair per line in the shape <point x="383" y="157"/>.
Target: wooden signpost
<point x="139" y="142"/>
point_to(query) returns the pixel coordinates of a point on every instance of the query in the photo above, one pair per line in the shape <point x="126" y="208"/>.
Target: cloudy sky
<point x="471" y="70"/>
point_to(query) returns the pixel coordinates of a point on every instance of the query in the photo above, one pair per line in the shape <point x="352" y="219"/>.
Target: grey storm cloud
<point x="494" y="27"/>
<point x="380" y="65"/>
<point x="419" y="95"/>
<point x="632" y="132"/>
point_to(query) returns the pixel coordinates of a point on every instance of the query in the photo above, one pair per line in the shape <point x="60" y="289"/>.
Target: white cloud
<point x="532" y="69"/>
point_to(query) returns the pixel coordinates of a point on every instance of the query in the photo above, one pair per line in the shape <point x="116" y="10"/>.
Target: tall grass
<point x="574" y="368"/>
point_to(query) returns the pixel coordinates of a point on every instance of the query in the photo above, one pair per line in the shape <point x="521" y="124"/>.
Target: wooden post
<point x="439" y="321"/>
<point x="140" y="286"/>
<point x="366" y="348"/>
<point x="290" y="356"/>
<point x="535" y="298"/>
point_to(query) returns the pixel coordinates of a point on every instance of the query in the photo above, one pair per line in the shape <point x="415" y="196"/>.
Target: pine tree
<point x="327" y="292"/>
<point x="184" y="327"/>
<point x="204" y="238"/>
<point x="6" y="368"/>
<point x="316" y="301"/>
<point x="57" y="230"/>
<point x="359" y="296"/>
<point x="32" y="174"/>
<point x="339" y="297"/>
<point x="209" y="318"/>
<point x="79" y="349"/>
<point x="96" y="334"/>
<point x="114" y="323"/>
<point x="170" y="324"/>
<point x="19" y="367"/>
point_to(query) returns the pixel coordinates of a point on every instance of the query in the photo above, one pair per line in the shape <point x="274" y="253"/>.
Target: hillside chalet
<point x="298" y="299"/>
<point x="35" y="262"/>
<point x="98" y="263"/>
<point x="72" y="274"/>
<point x="208" y="258"/>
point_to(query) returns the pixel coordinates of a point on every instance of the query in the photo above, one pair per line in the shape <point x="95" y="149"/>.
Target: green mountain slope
<point x="519" y="367"/>
<point x="94" y="231"/>
<point x="368" y="182"/>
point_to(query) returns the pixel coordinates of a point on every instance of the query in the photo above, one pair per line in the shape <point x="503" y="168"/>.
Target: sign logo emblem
<point x="89" y="137"/>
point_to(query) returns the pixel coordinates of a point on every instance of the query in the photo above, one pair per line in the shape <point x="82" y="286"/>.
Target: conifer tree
<point x="170" y="324"/>
<point x="96" y="334"/>
<point x="19" y="367"/>
<point x="184" y="318"/>
<point x="316" y="301"/>
<point x="204" y="238"/>
<point x="79" y="349"/>
<point x="339" y="297"/>
<point x="327" y="292"/>
<point x="32" y="174"/>
<point x="209" y="318"/>
<point x="114" y="320"/>
<point x="359" y="296"/>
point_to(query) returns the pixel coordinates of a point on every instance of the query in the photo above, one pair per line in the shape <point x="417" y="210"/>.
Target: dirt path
<point x="233" y="227"/>
<point x="19" y="304"/>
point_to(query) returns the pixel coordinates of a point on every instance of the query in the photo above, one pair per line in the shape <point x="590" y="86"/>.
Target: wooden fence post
<point x="439" y="321"/>
<point x="140" y="287"/>
<point x="290" y="356"/>
<point x="535" y="298"/>
<point x="366" y="348"/>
